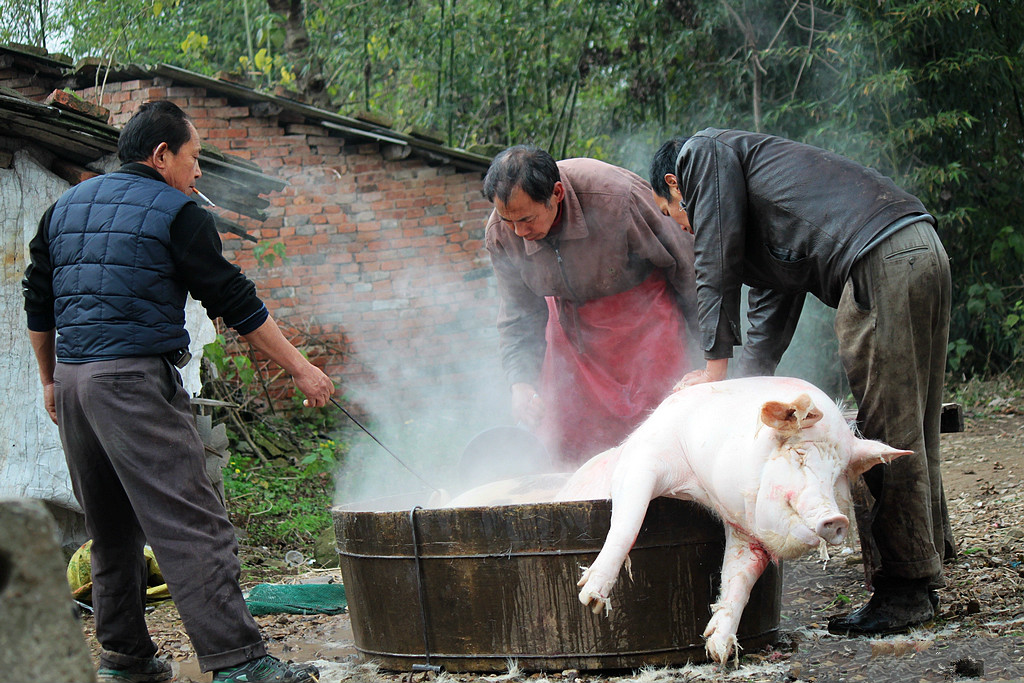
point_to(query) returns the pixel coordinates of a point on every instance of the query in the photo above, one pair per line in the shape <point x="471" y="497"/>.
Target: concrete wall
<point x="31" y="458"/>
<point x="42" y="640"/>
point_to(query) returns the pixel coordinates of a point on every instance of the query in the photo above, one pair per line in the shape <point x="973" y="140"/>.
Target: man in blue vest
<point x="111" y="265"/>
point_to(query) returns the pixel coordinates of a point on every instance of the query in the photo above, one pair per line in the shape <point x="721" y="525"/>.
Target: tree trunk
<point x="309" y="76"/>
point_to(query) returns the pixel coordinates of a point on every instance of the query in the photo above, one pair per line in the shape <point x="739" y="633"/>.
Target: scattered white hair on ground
<point x="371" y="668"/>
<point x="514" y="672"/>
<point x="898" y="646"/>
<point x="823" y="555"/>
<point x="341" y="672"/>
<point x="760" y="672"/>
<point x="654" y="674"/>
<point x="708" y="673"/>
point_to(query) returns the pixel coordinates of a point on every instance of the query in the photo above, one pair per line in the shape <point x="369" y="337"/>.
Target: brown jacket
<point x="612" y="238"/>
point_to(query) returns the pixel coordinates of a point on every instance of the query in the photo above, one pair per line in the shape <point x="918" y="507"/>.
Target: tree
<point x="32" y="23"/>
<point x="926" y="91"/>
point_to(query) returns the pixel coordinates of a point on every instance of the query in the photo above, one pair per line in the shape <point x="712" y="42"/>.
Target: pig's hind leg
<point x="630" y="497"/>
<point x="744" y="561"/>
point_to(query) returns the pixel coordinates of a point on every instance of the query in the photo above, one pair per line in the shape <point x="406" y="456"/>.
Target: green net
<point x="307" y="598"/>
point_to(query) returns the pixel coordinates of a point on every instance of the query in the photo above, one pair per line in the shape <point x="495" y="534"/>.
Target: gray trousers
<point x="138" y="470"/>
<point x="893" y="326"/>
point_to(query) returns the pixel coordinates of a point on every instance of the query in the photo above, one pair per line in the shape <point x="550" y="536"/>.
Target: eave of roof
<point x="234" y="183"/>
<point x="86" y="73"/>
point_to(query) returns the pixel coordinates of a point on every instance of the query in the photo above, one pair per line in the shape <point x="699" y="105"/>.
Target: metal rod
<point x="390" y="452"/>
<point x="420" y="587"/>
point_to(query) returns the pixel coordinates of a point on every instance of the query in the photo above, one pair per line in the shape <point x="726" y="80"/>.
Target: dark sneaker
<point x="152" y="670"/>
<point x="267" y="668"/>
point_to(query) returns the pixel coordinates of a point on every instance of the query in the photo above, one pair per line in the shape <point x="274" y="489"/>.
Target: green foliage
<point x="956" y="352"/>
<point x="279" y="505"/>
<point x="1013" y="328"/>
<point x="840" y="600"/>
<point x="986" y="398"/>
<point x="29" y="24"/>
<point x="268" y="70"/>
<point x="194" y="47"/>
<point x="229" y="368"/>
<point x="321" y="455"/>
<point x="267" y="255"/>
<point x="926" y="91"/>
<point x="279" y="481"/>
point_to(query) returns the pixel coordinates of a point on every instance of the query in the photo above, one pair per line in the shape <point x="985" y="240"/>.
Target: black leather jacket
<point x="784" y="218"/>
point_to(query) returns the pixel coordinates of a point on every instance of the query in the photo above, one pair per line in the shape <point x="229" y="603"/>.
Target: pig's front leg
<point x="631" y="494"/>
<point x="744" y="561"/>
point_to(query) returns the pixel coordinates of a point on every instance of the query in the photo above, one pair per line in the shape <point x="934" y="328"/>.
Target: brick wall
<point x="27" y="85"/>
<point x="385" y="259"/>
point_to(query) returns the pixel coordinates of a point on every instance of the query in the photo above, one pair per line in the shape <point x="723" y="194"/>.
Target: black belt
<point x="179" y="358"/>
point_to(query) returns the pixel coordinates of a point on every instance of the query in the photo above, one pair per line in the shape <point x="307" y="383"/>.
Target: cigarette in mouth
<point x="204" y="197"/>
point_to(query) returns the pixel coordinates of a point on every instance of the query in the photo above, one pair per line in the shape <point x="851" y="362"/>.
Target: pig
<point x="528" y="489"/>
<point x="771" y="456"/>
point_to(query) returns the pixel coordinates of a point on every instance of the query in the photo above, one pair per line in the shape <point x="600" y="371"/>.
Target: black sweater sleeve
<point x="211" y="279"/>
<point x="37" y="285"/>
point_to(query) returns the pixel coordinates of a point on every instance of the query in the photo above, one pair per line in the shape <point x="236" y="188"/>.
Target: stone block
<point x="42" y="638"/>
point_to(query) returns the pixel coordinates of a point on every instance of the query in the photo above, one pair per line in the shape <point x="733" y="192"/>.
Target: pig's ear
<point x="866" y="454"/>
<point x="789" y="418"/>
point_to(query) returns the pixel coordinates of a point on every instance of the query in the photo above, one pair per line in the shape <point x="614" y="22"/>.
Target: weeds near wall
<point x="279" y="480"/>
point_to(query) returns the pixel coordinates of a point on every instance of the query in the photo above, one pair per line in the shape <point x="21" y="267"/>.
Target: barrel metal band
<point x="421" y="590"/>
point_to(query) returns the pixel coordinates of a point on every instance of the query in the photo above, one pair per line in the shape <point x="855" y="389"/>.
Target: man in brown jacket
<point x="596" y="289"/>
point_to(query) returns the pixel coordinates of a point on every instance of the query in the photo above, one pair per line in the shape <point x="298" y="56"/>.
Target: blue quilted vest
<point x="115" y="288"/>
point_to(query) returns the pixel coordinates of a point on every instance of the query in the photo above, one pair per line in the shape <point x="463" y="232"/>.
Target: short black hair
<point x="154" y="122"/>
<point x="529" y="168"/>
<point x="664" y="162"/>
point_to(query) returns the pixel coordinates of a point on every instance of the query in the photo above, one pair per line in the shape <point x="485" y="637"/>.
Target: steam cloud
<point x="426" y="421"/>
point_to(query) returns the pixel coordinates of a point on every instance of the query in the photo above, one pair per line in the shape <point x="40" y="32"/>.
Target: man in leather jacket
<point x="788" y="219"/>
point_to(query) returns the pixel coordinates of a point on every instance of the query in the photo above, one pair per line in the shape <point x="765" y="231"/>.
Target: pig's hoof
<point x="598" y="603"/>
<point x="719" y="646"/>
<point x="583" y="579"/>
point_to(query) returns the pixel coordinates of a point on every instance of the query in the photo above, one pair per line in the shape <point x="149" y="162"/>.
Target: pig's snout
<point x="833" y="528"/>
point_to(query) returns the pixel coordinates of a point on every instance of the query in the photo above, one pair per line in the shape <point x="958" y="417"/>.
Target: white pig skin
<point x="771" y="456"/>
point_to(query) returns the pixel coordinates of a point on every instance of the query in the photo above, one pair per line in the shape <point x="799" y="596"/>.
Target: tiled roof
<point x="77" y="133"/>
<point x="394" y="144"/>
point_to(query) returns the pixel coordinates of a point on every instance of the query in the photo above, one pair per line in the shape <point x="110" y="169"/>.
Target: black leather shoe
<point x="885" y="613"/>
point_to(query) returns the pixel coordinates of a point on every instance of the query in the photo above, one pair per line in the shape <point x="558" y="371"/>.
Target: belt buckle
<point x="179" y="358"/>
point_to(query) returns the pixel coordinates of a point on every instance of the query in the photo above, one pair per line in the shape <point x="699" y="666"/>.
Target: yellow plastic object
<point x="80" y="576"/>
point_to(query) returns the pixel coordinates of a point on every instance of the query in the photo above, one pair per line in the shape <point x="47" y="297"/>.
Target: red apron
<point x="609" y="363"/>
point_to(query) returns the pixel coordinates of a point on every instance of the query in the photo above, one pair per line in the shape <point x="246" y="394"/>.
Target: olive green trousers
<point x="893" y="326"/>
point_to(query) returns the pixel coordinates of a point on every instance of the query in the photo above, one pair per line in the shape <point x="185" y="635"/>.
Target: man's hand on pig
<point x="527" y="405"/>
<point x="715" y="371"/>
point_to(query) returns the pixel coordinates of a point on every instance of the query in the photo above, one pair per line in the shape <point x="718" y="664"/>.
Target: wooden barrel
<point x="480" y="586"/>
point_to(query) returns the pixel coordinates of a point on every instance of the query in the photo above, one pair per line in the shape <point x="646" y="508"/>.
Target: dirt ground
<point x="978" y="633"/>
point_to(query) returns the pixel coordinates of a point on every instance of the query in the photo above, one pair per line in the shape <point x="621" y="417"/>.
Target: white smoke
<point x="425" y="417"/>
